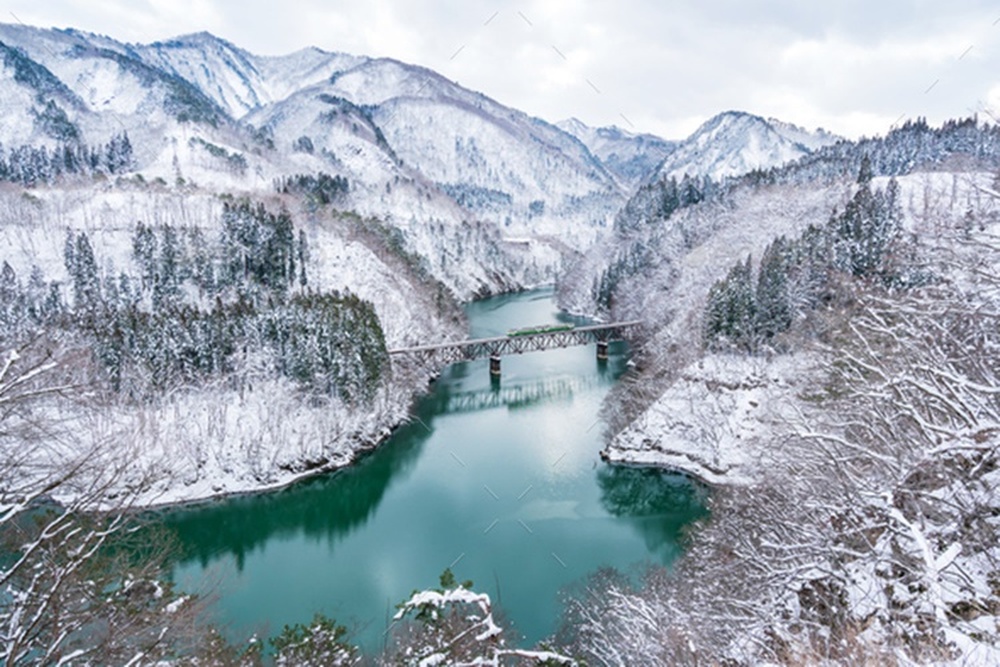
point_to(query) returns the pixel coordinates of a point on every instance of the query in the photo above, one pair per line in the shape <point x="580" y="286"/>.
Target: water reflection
<point x="657" y="503"/>
<point x="514" y="395"/>
<point x="494" y="476"/>
<point x="323" y="507"/>
<point x="333" y="506"/>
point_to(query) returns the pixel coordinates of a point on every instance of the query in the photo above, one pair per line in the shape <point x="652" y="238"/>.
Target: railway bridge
<point x="534" y="339"/>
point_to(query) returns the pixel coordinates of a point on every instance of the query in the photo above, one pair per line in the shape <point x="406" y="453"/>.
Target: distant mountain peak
<point x="572" y="125"/>
<point x="201" y="38"/>
<point x="735" y="142"/>
<point x="630" y="157"/>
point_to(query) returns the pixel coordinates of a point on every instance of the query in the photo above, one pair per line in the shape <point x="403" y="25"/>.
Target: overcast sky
<point x="853" y="67"/>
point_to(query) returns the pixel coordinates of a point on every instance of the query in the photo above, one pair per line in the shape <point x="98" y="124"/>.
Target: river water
<point x="501" y="481"/>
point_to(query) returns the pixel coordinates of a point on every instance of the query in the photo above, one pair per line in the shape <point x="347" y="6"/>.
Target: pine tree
<point x="866" y="229"/>
<point x="86" y="286"/>
<point x="69" y="253"/>
<point x="774" y="311"/>
<point x="144" y="253"/>
<point x="303" y="252"/>
<point x="730" y="314"/>
<point x="167" y="286"/>
<point x="865" y="172"/>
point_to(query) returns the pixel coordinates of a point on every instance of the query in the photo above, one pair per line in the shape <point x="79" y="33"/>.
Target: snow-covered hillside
<point x="237" y="80"/>
<point x="631" y="157"/>
<point x="733" y="143"/>
<point x="502" y="165"/>
<point x="419" y="152"/>
<point x="850" y="519"/>
<point x="260" y="435"/>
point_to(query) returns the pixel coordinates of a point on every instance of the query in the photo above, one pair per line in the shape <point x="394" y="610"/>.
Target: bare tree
<point x="82" y="584"/>
<point x="872" y="536"/>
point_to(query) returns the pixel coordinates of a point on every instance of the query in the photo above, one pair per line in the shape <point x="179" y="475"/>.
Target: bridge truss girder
<point x="494" y="348"/>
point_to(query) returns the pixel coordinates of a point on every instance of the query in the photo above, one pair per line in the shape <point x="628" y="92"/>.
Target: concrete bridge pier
<point x="602" y="350"/>
<point x="495" y="365"/>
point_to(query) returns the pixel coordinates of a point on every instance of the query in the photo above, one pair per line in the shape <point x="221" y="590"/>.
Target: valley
<point x="207" y="256"/>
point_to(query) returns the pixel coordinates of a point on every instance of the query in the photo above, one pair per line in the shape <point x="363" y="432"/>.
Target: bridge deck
<point x="478" y="348"/>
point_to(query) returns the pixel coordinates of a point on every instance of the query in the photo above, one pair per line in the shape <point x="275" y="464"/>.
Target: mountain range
<point x="419" y="151"/>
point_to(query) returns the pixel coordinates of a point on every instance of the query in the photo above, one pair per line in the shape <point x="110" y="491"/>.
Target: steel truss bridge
<point x="494" y="348"/>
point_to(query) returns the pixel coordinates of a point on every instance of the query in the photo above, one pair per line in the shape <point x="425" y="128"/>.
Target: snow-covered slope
<point x="630" y="157"/>
<point x="228" y="440"/>
<point x="499" y="163"/>
<point x="489" y="197"/>
<point x="812" y="140"/>
<point x="37" y="107"/>
<point x="789" y="423"/>
<point x="237" y="80"/>
<point x="733" y="143"/>
<point x="383" y="121"/>
<point x="111" y="80"/>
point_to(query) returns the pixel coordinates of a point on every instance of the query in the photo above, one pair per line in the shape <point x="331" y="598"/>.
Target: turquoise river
<point x="501" y="481"/>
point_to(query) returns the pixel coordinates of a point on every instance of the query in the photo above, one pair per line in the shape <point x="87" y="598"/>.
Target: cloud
<point x="853" y="66"/>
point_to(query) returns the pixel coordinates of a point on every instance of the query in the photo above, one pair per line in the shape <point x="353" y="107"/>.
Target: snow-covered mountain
<point x="488" y="196"/>
<point x="110" y="82"/>
<point x="420" y="152"/>
<point x="716" y="413"/>
<point x="500" y="164"/>
<point x="811" y="139"/>
<point x="237" y="80"/>
<point x="733" y="143"/>
<point x="630" y="157"/>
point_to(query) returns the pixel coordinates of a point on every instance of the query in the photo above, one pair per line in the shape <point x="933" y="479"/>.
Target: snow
<point x="733" y="143"/>
<point x="629" y="156"/>
<point x="209" y="442"/>
<point x="715" y="421"/>
<point x="175" y="606"/>
<point x="670" y="295"/>
<point x="481" y="198"/>
<point x="810" y="139"/>
<point x="214" y="440"/>
<point x="15" y="100"/>
<point x="480" y="622"/>
<point x="728" y="419"/>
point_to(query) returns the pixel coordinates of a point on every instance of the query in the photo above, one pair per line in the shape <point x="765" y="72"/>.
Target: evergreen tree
<point x="8" y="279"/>
<point x="86" y="286"/>
<point x="303" y="251"/>
<point x="865" y="171"/>
<point x="730" y="317"/>
<point x="810" y="267"/>
<point x="866" y="229"/>
<point x="118" y="153"/>
<point x="166" y="286"/>
<point x="11" y="310"/>
<point x="144" y="253"/>
<point x="774" y="310"/>
<point x="69" y="253"/>
<point x="202" y="262"/>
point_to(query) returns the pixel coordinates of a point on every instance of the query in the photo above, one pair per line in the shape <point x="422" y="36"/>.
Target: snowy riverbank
<point x="716" y="420"/>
